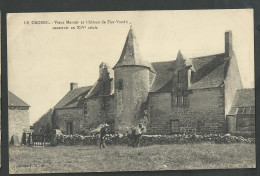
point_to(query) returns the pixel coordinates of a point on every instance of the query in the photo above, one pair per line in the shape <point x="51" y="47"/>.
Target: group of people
<point x="134" y="135"/>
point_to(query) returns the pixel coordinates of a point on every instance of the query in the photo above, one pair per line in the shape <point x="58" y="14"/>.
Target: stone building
<point x="241" y="117"/>
<point x="67" y="115"/>
<point x="18" y="118"/>
<point x="181" y="95"/>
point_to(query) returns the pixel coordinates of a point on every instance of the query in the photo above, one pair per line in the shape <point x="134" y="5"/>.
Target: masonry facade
<point x="177" y="96"/>
<point x="18" y="118"/>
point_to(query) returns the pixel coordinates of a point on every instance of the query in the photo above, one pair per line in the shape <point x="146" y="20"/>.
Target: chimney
<point x="228" y="43"/>
<point x="73" y="86"/>
<point x="104" y="69"/>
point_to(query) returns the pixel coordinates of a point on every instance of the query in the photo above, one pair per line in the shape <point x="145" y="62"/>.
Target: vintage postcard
<point x="131" y="91"/>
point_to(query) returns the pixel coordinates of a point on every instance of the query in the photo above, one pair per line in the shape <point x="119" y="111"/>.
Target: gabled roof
<point x="13" y="100"/>
<point x="130" y="55"/>
<point x="74" y="98"/>
<point x="213" y="79"/>
<point x="163" y="76"/>
<point x="244" y="98"/>
<point x="96" y="90"/>
<point x="209" y="72"/>
<point x="199" y="62"/>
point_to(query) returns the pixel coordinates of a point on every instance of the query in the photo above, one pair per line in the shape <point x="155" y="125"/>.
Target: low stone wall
<point x="147" y="140"/>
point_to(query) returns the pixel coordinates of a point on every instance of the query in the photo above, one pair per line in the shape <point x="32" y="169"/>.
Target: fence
<point x="39" y="140"/>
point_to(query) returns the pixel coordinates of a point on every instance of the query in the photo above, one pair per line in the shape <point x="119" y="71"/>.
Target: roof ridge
<point x="163" y="61"/>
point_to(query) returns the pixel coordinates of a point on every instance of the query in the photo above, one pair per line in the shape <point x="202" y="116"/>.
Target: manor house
<point x="176" y="96"/>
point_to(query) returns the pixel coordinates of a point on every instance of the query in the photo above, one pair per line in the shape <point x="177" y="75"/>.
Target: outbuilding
<point x="241" y="117"/>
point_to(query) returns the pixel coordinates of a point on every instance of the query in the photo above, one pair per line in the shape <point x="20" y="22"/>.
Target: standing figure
<point x="137" y="134"/>
<point x="103" y="132"/>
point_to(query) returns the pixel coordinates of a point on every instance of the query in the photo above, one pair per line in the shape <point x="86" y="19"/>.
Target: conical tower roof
<point x="130" y="55"/>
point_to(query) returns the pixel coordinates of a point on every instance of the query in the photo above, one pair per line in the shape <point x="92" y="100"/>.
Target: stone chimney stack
<point x="73" y="86"/>
<point x="228" y="43"/>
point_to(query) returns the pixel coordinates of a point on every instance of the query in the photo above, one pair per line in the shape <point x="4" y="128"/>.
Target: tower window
<point x="120" y="84"/>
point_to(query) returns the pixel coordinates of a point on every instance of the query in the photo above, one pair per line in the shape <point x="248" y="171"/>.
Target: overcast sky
<point x="42" y="61"/>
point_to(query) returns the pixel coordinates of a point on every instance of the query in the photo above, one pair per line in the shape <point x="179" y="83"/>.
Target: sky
<point x="43" y="61"/>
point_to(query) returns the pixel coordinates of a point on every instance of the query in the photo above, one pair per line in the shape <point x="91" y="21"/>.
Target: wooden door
<point x="69" y="128"/>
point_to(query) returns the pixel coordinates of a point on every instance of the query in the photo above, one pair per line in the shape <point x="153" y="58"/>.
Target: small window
<point x="240" y="110"/>
<point x="120" y="84"/>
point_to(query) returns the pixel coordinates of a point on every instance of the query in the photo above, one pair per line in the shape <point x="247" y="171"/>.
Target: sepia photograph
<point x="131" y="91"/>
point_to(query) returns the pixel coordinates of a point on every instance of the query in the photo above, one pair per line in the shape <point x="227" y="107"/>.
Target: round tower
<point x="132" y="83"/>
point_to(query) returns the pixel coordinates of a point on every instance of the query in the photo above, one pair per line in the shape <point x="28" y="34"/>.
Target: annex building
<point x="176" y="96"/>
<point x="18" y="118"/>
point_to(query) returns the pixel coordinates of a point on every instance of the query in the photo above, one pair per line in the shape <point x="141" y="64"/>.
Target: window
<point x="185" y="100"/>
<point x="179" y="98"/>
<point x="175" y="126"/>
<point x="240" y="110"/>
<point x="180" y="76"/>
<point x="120" y="84"/>
<point x="182" y="98"/>
<point x="247" y="110"/>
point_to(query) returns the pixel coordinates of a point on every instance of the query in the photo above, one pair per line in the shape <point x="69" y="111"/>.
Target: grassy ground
<point x="122" y="158"/>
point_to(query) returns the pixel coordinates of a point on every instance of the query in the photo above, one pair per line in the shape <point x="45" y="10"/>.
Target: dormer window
<point x="180" y="76"/>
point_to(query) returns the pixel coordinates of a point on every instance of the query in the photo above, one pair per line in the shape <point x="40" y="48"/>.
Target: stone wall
<point x="99" y="110"/>
<point x="148" y="140"/>
<point x="74" y="115"/>
<point x="232" y="83"/>
<point x="18" y="122"/>
<point x="130" y="99"/>
<point x="205" y="112"/>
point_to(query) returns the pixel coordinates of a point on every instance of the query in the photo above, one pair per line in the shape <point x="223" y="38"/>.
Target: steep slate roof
<point x="199" y="62"/>
<point x="74" y="98"/>
<point x="163" y="76"/>
<point x="214" y="79"/>
<point x="130" y="55"/>
<point x="213" y="69"/>
<point x="13" y="100"/>
<point x="243" y="98"/>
